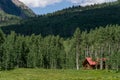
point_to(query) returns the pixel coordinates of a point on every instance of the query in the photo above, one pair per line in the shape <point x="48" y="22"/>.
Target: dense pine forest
<point x="65" y="22"/>
<point x="63" y="39"/>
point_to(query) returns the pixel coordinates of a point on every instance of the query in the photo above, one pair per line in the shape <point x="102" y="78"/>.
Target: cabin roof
<point x="90" y="61"/>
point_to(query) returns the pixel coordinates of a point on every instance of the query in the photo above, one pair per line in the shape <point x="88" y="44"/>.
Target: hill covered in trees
<point x="12" y="11"/>
<point x="7" y="19"/>
<point x="64" y="22"/>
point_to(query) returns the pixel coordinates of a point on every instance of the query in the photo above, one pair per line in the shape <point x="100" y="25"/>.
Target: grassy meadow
<point x="52" y="74"/>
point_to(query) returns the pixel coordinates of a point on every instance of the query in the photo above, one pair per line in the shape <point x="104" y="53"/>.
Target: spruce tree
<point x="2" y="40"/>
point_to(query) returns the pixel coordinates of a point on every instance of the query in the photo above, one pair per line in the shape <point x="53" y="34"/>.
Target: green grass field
<point x="48" y="74"/>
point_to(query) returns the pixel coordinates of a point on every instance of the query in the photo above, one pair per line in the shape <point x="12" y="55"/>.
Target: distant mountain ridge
<point x="65" y="22"/>
<point x="15" y="7"/>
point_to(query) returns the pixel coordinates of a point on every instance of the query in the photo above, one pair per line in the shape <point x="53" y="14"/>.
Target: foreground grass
<point x="43" y="74"/>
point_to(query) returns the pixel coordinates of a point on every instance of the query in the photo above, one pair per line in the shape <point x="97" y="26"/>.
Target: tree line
<point x="55" y="52"/>
<point x="64" y="22"/>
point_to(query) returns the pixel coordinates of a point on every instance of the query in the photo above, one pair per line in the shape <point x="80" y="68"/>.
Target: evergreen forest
<point x="65" y="22"/>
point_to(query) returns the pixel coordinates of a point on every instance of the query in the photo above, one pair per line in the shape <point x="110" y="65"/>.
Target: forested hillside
<point x="15" y="7"/>
<point x="12" y="11"/>
<point x="65" y="22"/>
<point x="7" y="19"/>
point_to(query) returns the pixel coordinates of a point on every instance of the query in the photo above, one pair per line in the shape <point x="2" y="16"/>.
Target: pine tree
<point x="2" y="40"/>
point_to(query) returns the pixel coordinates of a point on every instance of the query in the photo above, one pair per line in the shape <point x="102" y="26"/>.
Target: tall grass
<point x="52" y="74"/>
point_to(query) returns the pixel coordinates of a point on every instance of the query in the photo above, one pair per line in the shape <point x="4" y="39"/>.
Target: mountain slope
<point x="65" y="22"/>
<point x="12" y="11"/>
<point x="26" y="10"/>
<point x="15" y="7"/>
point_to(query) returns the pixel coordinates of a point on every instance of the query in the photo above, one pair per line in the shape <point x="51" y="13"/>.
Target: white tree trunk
<point x="77" y="57"/>
<point x="101" y="61"/>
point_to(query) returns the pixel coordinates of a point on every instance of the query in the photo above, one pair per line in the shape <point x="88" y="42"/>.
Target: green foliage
<point x="55" y="52"/>
<point x="7" y="19"/>
<point x="2" y="37"/>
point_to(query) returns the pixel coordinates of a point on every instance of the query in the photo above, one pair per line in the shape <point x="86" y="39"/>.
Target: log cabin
<point x="90" y="64"/>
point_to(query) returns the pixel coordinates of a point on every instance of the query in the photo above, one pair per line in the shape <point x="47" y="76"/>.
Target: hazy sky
<point x="47" y="6"/>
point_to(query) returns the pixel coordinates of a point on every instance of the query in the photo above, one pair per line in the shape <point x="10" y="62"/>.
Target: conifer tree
<point x="2" y="40"/>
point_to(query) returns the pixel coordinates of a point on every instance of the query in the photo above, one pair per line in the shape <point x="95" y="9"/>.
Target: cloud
<point x="40" y="3"/>
<point x="44" y="3"/>
<point x="89" y="2"/>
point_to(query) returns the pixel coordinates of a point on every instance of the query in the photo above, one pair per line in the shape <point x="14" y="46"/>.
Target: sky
<point x="49" y="6"/>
